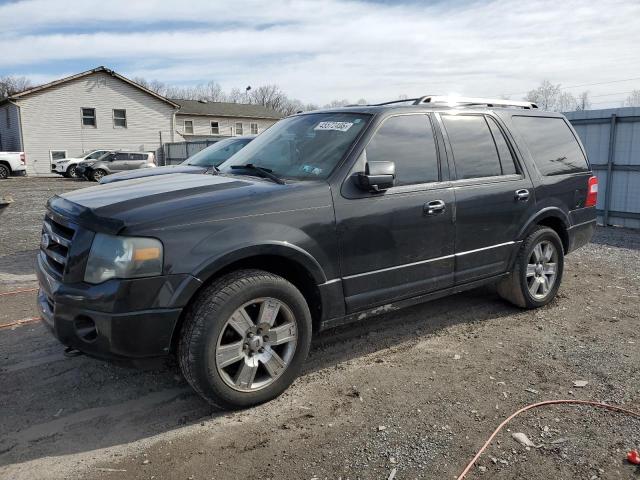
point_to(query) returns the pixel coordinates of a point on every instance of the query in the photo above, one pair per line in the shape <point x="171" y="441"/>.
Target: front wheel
<point x="71" y="172"/>
<point x="245" y="339"/>
<point x="538" y="270"/>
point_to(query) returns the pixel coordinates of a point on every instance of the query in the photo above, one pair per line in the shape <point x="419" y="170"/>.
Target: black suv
<point x="327" y="217"/>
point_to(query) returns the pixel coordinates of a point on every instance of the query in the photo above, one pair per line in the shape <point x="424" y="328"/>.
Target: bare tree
<point x="565" y="102"/>
<point x="10" y="85"/>
<point x="546" y="95"/>
<point x="584" y="102"/>
<point x="633" y="100"/>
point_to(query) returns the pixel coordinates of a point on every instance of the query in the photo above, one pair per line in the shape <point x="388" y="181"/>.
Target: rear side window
<point x="408" y="141"/>
<point x="553" y="146"/>
<point x="474" y="150"/>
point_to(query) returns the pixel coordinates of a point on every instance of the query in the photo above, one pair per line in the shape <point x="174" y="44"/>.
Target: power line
<point x="584" y="85"/>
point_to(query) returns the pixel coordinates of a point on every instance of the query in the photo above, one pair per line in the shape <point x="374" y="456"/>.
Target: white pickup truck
<point x="12" y="163"/>
<point x="67" y="166"/>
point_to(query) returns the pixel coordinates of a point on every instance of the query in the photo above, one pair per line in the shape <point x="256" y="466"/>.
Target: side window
<point x="504" y="152"/>
<point x="474" y="151"/>
<point x="138" y="156"/>
<point x="121" y="156"/>
<point x="553" y="146"/>
<point x="408" y="141"/>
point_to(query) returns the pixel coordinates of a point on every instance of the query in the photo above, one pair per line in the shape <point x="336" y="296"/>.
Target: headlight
<point x="113" y="256"/>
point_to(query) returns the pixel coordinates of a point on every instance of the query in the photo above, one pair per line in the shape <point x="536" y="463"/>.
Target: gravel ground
<point x="417" y="391"/>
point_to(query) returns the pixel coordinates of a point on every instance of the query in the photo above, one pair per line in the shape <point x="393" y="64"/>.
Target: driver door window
<point x="408" y="141"/>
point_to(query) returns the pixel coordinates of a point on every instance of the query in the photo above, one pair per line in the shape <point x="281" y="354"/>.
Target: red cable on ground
<point x="540" y="404"/>
<point x="24" y="321"/>
<point x="15" y="292"/>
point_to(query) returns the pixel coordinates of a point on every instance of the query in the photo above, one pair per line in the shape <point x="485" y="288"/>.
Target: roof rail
<point x="406" y="100"/>
<point x="471" y="101"/>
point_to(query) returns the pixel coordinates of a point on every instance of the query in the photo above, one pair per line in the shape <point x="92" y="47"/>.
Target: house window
<point x="119" y="118"/>
<point x="188" y="126"/>
<point x="254" y="129"/>
<point x="89" y="117"/>
<point x="215" y="128"/>
<point x="239" y="130"/>
<point x="57" y="155"/>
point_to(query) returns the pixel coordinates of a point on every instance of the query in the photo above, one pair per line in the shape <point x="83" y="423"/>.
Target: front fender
<point x="272" y="248"/>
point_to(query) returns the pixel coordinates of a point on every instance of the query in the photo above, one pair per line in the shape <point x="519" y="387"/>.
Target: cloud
<point x="322" y="50"/>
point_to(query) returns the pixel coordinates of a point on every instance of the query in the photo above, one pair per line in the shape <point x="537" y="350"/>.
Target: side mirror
<point x="377" y="176"/>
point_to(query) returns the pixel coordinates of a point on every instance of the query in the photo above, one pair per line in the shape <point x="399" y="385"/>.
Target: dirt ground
<point x="411" y="394"/>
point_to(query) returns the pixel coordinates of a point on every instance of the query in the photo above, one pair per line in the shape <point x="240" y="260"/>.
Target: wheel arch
<point x="290" y="262"/>
<point x="552" y="217"/>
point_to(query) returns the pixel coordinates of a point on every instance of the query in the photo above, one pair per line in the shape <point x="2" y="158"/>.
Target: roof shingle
<point x="224" y="109"/>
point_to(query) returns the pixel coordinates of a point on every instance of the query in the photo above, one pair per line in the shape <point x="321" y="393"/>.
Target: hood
<point x="163" y="201"/>
<point x="150" y="172"/>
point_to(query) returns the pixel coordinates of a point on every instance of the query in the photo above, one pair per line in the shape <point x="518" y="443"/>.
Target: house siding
<point x="10" y="134"/>
<point x="202" y="125"/>
<point x="52" y="119"/>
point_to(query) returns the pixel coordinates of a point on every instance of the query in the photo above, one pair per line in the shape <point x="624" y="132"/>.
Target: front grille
<point x="55" y="244"/>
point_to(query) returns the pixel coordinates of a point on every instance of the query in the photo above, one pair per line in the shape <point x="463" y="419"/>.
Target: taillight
<point x="23" y="159"/>
<point x="592" y="192"/>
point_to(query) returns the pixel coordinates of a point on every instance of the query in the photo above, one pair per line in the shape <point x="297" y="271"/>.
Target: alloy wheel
<point x="256" y="344"/>
<point x="542" y="269"/>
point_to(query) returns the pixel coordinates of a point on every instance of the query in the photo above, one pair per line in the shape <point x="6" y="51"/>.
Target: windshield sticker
<point x="311" y="169"/>
<point x="337" y="126"/>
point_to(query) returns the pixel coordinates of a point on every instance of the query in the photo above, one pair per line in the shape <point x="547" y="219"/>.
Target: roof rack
<point x="471" y="101"/>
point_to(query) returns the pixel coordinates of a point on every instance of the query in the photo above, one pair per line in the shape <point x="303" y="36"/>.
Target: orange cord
<point x="540" y="404"/>
<point x="24" y="321"/>
<point x="15" y="292"/>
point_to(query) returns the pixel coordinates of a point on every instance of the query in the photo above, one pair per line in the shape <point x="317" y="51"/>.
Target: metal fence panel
<point x="178" y="152"/>
<point x="612" y="140"/>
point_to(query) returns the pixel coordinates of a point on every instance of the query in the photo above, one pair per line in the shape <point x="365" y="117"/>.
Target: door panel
<point x="488" y="219"/>
<point x="120" y="162"/>
<point x="391" y="248"/>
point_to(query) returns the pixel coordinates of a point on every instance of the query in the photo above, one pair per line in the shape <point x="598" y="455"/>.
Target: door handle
<point x="434" y="208"/>
<point x="522" y="195"/>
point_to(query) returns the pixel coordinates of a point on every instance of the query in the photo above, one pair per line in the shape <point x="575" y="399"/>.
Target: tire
<point x="532" y="284"/>
<point x="71" y="172"/>
<point x="97" y="175"/>
<point x="4" y="172"/>
<point x="244" y="370"/>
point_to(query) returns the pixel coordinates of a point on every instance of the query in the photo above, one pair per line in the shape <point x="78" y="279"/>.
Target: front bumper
<point x="118" y="319"/>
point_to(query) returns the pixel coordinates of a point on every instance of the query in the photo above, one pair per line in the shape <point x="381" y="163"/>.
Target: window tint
<point x="408" y="141"/>
<point x="474" y="151"/>
<point x="553" y="146"/>
<point x="506" y="158"/>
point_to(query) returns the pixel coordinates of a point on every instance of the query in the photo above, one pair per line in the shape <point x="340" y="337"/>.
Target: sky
<point x="318" y="51"/>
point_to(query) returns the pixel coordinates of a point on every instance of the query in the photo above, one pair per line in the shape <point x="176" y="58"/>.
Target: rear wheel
<point x="4" y="172"/>
<point x="245" y="339"/>
<point x="97" y="175"/>
<point x="538" y="269"/>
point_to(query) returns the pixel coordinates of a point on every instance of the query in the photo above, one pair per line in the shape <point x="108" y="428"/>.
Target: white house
<point x="96" y="109"/>
<point x="202" y="120"/>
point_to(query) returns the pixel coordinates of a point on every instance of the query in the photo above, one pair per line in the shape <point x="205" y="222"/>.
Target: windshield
<point x="215" y="154"/>
<point x="301" y="147"/>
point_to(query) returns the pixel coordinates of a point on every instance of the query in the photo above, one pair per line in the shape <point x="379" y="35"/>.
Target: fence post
<point x="610" y="161"/>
